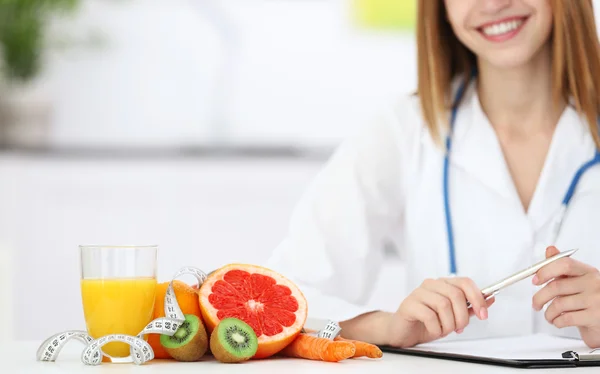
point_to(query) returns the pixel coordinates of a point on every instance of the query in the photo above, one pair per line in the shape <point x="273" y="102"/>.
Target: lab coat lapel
<point x="476" y="150"/>
<point x="571" y="147"/>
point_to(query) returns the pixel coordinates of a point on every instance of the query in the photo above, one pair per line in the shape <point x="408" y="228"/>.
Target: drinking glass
<point x="118" y="285"/>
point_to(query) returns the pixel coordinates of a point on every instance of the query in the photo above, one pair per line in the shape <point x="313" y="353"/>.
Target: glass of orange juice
<point x="118" y="286"/>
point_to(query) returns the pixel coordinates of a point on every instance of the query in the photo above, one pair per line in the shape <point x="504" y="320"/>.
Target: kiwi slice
<point x="189" y="343"/>
<point x="233" y="340"/>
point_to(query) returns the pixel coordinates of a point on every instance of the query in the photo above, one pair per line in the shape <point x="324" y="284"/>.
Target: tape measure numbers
<point x="140" y="351"/>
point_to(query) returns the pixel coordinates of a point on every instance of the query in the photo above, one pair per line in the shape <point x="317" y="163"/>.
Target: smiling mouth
<point x="502" y="30"/>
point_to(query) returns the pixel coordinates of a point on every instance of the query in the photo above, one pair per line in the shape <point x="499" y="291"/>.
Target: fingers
<point x="572" y="289"/>
<point x="551" y="251"/>
<point x="565" y="304"/>
<point x="458" y="301"/>
<point x="451" y="301"/>
<point x="558" y="287"/>
<point x="489" y="303"/>
<point x="566" y="266"/>
<point x="563" y="267"/>
<point x="473" y="295"/>
<point x="429" y="318"/>
<point x="578" y="318"/>
<point x="441" y="305"/>
<point x="417" y="311"/>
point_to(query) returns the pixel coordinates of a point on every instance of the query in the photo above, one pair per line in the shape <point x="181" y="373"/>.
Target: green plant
<point x="22" y="25"/>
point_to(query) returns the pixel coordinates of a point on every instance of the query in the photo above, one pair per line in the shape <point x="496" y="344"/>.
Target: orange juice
<point x="117" y="306"/>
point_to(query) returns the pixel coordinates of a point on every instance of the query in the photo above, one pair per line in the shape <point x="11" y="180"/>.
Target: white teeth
<point x="502" y="28"/>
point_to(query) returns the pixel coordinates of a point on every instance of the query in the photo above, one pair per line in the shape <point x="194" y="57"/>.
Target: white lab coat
<point x="385" y="183"/>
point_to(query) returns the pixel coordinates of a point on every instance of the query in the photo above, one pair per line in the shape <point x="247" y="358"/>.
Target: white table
<point x="19" y="357"/>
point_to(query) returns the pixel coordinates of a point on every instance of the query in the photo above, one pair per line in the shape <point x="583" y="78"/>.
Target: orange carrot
<point x="363" y="349"/>
<point x="314" y="348"/>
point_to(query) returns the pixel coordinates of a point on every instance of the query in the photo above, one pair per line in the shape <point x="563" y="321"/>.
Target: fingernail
<point x="535" y="279"/>
<point x="483" y="313"/>
<point x="459" y="331"/>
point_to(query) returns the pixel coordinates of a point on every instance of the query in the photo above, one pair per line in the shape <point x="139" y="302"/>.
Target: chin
<point x="507" y="59"/>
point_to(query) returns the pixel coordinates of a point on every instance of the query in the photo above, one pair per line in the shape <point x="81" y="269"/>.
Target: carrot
<point x="321" y="349"/>
<point x="363" y="349"/>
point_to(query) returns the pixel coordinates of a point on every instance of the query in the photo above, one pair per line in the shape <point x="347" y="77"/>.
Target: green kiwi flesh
<point x="233" y="340"/>
<point x="189" y="343"/>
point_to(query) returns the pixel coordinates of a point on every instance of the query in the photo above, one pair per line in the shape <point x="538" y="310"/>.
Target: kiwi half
<point x="189" y="343"/>
<point x="233" y="340"/>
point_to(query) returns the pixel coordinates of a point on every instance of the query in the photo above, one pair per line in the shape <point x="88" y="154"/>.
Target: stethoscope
<point x="560" y="214"/>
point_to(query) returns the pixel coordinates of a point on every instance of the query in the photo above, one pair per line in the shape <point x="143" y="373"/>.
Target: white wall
<point x="200" y="213"/>
<point x="203" y="213"/>
<point x="6" y="292"/>
<point x="295" y="71"/>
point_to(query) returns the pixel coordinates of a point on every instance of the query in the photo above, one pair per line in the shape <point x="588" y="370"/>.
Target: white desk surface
<point x="19" y="357"/>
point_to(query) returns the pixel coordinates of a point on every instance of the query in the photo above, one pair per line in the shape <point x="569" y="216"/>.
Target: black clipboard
<point x="570" y="359"/>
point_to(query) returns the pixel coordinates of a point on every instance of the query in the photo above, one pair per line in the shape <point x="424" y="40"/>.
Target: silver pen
<point x="495" y="288"/>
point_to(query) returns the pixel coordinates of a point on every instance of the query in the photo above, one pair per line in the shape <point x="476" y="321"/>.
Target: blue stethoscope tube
<point x="449" y="228"/>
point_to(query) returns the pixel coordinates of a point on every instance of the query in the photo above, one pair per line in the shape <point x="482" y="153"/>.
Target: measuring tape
<point x="330" y="331"/>
<point x="140" y="350"/>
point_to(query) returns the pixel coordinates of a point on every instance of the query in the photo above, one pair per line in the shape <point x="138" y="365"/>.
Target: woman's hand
<point x="436" y="309"/>
<point x="574" y="293"/>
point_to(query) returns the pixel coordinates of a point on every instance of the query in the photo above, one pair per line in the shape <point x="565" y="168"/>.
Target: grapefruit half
<point x="271" y="304"/>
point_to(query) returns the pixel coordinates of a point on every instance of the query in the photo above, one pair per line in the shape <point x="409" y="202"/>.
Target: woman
<point x="524" y="79"/>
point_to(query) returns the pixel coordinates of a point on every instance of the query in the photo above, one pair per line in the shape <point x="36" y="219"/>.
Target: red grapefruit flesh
<point x="271" y="304"/>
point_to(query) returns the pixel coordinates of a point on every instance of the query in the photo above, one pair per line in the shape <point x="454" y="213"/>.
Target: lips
<point x="504" y="29"/>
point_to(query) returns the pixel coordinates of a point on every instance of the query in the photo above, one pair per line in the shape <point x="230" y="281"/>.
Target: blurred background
<point x="192" y="124"/>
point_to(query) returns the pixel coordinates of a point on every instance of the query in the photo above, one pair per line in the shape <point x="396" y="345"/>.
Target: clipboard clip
<point x="593" y="355"/>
